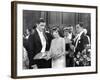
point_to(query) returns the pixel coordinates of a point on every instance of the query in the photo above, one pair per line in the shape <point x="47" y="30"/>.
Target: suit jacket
<point x="81" y="44"/>
<point x="35" y="47"/>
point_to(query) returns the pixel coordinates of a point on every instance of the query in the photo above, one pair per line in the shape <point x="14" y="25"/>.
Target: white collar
<point x="78" y="35"/>
<point x="39" y="31"/>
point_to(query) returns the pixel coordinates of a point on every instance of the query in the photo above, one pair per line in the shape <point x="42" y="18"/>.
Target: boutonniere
<point x="79" y="41"/>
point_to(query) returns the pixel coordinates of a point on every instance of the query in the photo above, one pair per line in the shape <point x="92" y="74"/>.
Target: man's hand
<point x="46" y="57"/>
<point x="40" y="55"/>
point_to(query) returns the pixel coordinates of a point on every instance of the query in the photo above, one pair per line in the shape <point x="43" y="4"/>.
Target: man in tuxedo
<point x="38" y="42"/>
<point x="80" y="42"/>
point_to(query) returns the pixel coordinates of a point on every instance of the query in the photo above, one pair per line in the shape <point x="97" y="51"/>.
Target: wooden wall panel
<point x="56" y="18"/>
<point x="69" y="18"/>
<point x="30" y="18"/>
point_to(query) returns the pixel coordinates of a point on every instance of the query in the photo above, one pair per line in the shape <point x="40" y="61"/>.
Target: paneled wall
<point x="56" y="18"/>
<point x="30" y="18"/>
<point x="59" y="18"/>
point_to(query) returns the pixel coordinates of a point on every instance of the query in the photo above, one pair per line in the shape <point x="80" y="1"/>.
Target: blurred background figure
<point x="25" y="59"/>
<point x="27" y="33"/>
<point x="26" y="37"/>
<point x="26" y="48"/>
<point x="71" y="35"/>
<point x="68" y="36"/>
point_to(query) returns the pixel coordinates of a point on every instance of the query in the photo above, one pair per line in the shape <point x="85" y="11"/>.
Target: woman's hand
<point x="46" y="55"/>
<point x="56" y="56"/>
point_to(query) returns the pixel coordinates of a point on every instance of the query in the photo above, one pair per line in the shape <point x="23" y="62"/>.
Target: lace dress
<point x="57" y="53"/>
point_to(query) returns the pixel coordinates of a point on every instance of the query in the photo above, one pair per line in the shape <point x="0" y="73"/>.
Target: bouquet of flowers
<point x="83" y="58"/>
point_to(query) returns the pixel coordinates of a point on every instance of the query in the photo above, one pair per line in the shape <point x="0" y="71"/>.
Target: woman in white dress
<point x="57" y="50"/>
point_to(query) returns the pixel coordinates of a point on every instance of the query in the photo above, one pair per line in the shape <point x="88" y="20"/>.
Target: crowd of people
<point x="56" y="48"/>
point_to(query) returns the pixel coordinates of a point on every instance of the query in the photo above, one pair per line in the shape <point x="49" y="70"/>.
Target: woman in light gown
<point x="57" y="50"/>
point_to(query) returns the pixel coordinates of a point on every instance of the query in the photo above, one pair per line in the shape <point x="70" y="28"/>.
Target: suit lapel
<point x="45" y="36"/>
<point x="38" y="38"/>
<point x="78" y="40"/>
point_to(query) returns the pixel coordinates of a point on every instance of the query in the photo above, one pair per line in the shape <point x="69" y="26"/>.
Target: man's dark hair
<point x="81" y="24"/>
<point x="40" y="20"/>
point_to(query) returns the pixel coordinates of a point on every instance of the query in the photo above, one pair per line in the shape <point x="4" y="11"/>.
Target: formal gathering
<point x="54" y="39"/>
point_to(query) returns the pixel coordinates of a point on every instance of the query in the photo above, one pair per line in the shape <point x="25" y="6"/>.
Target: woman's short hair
<point x="60" y="32"/>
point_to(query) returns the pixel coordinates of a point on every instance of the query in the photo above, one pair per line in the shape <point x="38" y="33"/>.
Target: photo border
<point x="14" y="37"/>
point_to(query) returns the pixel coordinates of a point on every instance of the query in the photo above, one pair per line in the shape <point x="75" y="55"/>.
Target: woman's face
<point x="27" y="32"/>
<point x="55" y="34"/>
<point x="66" y="33"/>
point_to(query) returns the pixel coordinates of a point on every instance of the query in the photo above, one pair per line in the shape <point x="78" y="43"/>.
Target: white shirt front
<point x="70" y="36"/>
<point x="43" y="40"/>
<point x="77" y="38"/>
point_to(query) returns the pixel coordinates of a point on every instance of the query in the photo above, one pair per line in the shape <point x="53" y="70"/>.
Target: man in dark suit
<point x="38" y="42"/>
<point x="80" y="42"/>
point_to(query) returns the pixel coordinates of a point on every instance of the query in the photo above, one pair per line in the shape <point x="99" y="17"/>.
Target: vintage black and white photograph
<point x="55" y="39"/>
